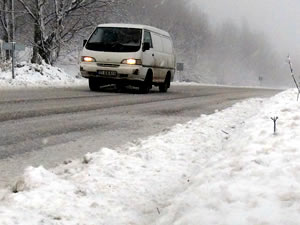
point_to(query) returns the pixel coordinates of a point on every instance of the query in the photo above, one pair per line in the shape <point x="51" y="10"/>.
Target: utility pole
<point x="13" y="38"/>
<point x="8" y="19"/>
<point x="13" y="20"/>
<point x="11" y="45"/>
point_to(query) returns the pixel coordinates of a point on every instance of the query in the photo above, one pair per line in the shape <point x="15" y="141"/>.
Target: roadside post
<point x="13" y="47"/>
<point x="260" y="78"/>
<point x="179" y="68"/>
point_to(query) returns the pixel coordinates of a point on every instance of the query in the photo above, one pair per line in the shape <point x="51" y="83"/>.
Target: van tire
<point x="166" y="84"/>
<point x="94" y="84"/>
<point x="146" y="85"/>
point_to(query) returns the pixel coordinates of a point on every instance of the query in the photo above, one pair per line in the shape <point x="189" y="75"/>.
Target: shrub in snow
<point x="293" y="76"/>
<point x="274" y="120"/>
<point x="5" y="66"/>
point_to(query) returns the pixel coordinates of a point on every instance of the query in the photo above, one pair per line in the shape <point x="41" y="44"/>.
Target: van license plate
<point x="107" y="73"/>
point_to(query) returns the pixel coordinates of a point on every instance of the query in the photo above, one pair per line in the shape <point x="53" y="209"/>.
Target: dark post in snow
<point x="260" y="78"/>
<point x="179" y="68"/>
<point x="274" y="120"/>
<point x="13" y="48"/>
<point x="293" y="76"/>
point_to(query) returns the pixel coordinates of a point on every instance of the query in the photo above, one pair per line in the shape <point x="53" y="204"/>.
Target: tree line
<point x="48" y="25"/>
<point x="226" y="53"/>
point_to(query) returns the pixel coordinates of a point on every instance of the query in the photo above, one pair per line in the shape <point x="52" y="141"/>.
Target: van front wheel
<point x="94" y="84"/>
<point x="145" y="86"/>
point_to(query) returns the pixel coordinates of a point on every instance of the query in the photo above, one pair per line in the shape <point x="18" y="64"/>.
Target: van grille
<point x="107" y="65"/>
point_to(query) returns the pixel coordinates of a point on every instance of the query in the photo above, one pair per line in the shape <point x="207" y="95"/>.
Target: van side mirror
<point x="84" y="42"/>
<point x="146" y="46"/>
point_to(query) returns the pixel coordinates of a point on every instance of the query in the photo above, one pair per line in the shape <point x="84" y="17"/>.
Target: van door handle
<point x="152" y="54"/>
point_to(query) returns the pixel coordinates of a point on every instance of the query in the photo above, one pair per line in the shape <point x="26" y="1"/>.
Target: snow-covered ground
<point x="64" y="74"/>
<point x="33" y="75"/>
<point x="225" y="168"/>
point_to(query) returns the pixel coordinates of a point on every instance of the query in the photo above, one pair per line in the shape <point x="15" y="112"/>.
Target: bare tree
<point x="6" y="22"/>
<point x="57" y="21"/>
<point x="5" y="19"/>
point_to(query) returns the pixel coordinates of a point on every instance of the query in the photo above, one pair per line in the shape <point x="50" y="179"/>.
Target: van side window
<point x="147" y="38"/>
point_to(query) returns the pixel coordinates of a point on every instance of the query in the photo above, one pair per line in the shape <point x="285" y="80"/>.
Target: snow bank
<point x="255" y="179"/>
<point x="225" y="168"/>
<point x="34" y="75"/>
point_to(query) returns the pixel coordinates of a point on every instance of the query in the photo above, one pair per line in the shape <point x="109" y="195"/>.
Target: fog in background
<point x="234" y="42"/>
<point x="279" y="20"/>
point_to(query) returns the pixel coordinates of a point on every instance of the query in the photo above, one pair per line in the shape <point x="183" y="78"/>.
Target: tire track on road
<point x="7" y="116"/>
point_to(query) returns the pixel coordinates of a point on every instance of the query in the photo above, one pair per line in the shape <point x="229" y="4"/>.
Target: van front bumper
<point x="123" y="72"/>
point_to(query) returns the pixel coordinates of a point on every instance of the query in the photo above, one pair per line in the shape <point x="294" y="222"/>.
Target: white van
<point x="127" y="54"/>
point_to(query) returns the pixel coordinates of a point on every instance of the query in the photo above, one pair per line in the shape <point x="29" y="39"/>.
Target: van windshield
<point x="115" y="39"/>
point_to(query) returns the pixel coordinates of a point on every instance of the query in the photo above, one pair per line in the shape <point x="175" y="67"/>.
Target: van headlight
<point x="132" y="61"/>
<point x="88" y="59"/>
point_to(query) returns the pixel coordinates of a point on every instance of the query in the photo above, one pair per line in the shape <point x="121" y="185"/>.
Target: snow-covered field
<point x="33" y="75"/>
<point x="226" y="168"/>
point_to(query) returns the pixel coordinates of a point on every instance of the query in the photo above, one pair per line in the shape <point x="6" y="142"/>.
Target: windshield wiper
<point x="115" y="44"/>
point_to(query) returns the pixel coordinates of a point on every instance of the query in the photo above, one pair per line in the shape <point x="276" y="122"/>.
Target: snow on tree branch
<point x="57" y="21"/>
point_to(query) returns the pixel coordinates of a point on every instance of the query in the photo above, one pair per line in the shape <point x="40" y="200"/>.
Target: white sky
<point x="279" y="19"/>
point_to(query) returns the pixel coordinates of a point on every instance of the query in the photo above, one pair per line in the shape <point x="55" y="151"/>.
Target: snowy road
<point x="47" y="126"/>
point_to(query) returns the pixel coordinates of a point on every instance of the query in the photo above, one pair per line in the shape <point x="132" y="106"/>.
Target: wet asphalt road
<point x="47" y="126"/>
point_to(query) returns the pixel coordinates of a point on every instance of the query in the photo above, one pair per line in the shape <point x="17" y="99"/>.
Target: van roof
<point x="138" y="26"/>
